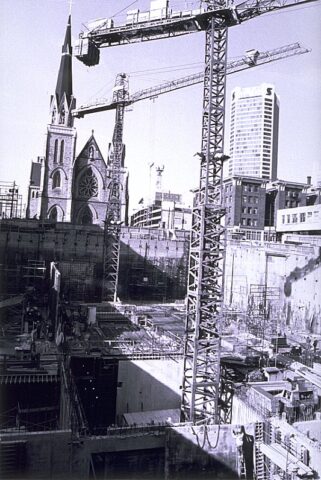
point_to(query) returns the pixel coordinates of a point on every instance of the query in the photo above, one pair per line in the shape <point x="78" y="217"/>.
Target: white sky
<point x="166" y="131"/>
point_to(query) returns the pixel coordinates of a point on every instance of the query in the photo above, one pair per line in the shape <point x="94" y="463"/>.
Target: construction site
<point x="167" y="346"/>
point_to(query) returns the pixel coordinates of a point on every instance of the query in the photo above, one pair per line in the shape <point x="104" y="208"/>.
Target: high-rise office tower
<point x="254" y="132"/>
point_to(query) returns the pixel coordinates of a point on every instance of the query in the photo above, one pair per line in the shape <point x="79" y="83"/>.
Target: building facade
<point x="65" y="187"/>
<point x="253" y="205"/>
<point x="165" y="211"/>
<point x="305" y="220"/>
<point x="254" y="132"/>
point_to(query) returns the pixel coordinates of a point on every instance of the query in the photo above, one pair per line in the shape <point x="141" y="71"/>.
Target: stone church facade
<point x="65" y="187"/>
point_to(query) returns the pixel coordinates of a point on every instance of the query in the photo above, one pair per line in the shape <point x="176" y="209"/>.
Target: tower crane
<point x="252" y="58"/>
<point x="201" y="380"/>
<point x="113" y="213"/>
<point x="119" y="101"/>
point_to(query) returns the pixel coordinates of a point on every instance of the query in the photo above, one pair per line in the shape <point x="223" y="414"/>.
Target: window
<point x="244" y="198"/>
<point x="62" y="148"/>
<point x="243" y="221"/>
<point x="254" y="211"/>
<point x="244" y="209"/>
<point x="55" y="151"/>
<point x="288" y="219"/>
<point x="249" y="210"/>
<point x="256" y="199"/>
<point x="91" y="152"/>
<point x="283" y="218"/>
<point x="294" y="218"/>
<point x="88" y="184"/>
<point x="56" y="180"/>
<point x="302" y="217"/>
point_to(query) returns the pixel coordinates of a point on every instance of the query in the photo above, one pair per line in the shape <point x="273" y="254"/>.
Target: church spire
<point x="64" y="81"/>
<point x="63" y="102"/>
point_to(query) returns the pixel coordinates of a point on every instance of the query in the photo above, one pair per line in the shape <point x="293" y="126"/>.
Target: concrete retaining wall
<point x="149" y="385"/>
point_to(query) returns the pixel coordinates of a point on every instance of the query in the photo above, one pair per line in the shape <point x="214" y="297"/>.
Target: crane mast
<point x="201" y="381"/>
<point x="113" y="213"/>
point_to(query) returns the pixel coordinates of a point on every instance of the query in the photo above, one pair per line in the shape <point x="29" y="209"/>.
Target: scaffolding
<point x="263" y="310"/>
<point x="10" y="200"/>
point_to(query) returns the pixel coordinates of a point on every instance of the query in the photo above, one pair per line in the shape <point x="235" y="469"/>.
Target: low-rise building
<point x="305" y="220"/>
<point x="167" y="211"/>
<point x="253" y="205"/>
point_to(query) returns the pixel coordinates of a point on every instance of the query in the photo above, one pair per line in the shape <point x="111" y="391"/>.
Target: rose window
<point x="88" y="185"/>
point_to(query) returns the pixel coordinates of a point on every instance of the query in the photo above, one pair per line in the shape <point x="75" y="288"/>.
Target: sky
<point x="165" y="131"/>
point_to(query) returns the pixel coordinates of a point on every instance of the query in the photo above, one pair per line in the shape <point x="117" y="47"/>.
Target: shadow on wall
<point x="154" y="269"/>
<point x="146" y="277"/>
<point x="207" y="452"/>
<point x="299" y="273"/>
<point x="185" y="452"/>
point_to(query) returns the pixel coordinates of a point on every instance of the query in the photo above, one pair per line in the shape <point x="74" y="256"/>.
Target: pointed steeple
<point x="64" y="81"/>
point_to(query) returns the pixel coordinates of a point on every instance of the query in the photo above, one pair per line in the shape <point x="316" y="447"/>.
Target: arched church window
<point x="62" y="149"/>
<point x="56" y="180"/>
<point x="56" y="151"/>
<point x="88" y="184"/>
<point x="53" y="214"/>
<point x="91" y="152"/>
<point x="33" y="194"/>
<point x="53" y="118"/>
<point x="86" y="217"/>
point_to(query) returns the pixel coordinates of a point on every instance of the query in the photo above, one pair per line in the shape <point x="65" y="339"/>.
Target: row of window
<point x="293" y="194"/>
<point x="249" y="222"/>
<point x="299" y="217"/>
<point x="250" y="210"/>
<point x="246" y="199"/>
<point x="250" y="188"/>
<point x="290" y="204"/>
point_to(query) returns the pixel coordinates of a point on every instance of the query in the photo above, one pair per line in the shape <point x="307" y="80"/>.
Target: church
<point x="64" y="187"/>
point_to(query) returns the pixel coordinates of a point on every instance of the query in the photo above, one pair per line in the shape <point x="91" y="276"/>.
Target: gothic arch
<point x="56" y="213"/>
<point x="62" y="172"/>
<point x="87" y="215"/>
<point x="89" y="183"/>
<point x="56" y="180"/>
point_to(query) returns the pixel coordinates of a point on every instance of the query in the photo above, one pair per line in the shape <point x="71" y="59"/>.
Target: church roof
<point x="64" y="81"/>
<point x="91" y="141"/>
